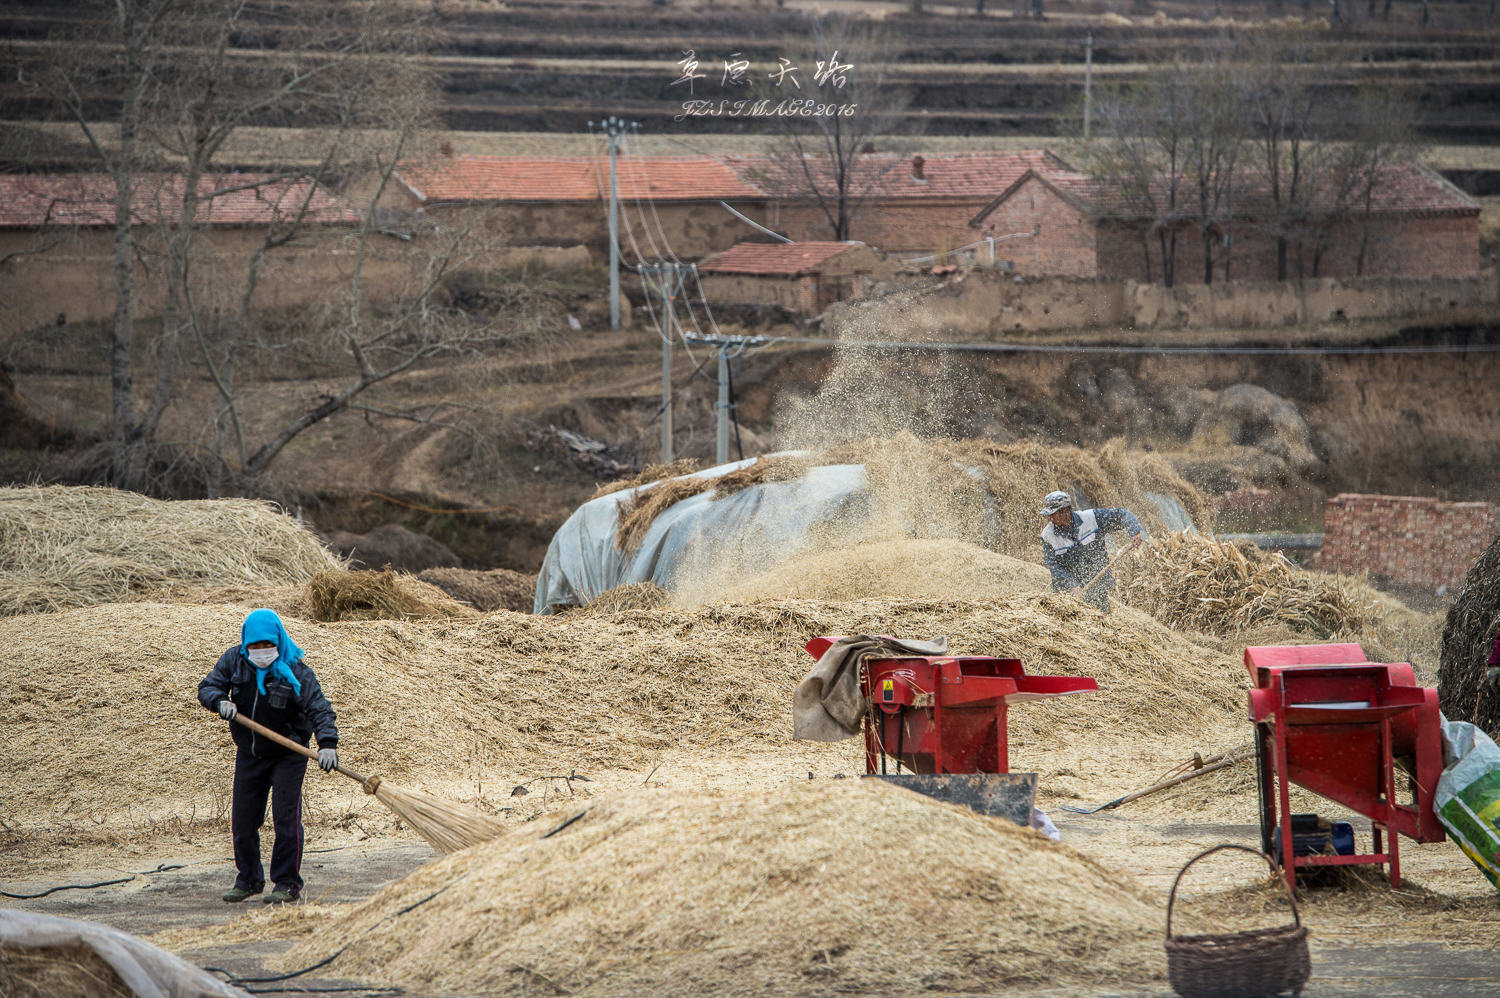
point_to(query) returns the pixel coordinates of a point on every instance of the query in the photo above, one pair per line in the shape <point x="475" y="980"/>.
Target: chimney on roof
<point x="869" y="148"/>
<point x="917" y="162"/>
<point x="446" y="148"/>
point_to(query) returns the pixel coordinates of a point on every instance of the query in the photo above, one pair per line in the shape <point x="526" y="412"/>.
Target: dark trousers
<point x="280" y="779"/>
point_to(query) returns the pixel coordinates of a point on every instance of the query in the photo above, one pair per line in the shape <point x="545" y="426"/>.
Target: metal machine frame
<point x="1334" y="723"/>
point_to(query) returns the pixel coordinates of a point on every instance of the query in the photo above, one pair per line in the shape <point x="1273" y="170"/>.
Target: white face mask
<point x="263" y="657"/>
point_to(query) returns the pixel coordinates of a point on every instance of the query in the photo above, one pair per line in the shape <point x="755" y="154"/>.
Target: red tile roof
<point x="787" y="259"/>
<point x="705" y="178"/>
<point x="885" y="175"/>
<point x="573" y="178"/>
<point x="1405" y="189"/>
<point x="32" y="200"/>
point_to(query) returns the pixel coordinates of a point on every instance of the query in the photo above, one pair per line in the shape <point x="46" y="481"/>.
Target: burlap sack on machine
<point x="1467" y="799"/>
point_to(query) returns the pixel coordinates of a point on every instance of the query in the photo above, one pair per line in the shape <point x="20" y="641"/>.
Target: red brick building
<point x="803" y="277"/>
<point x="1417" y="224"/>
<point x="668" y="204"/>
<point x="903" y="204"/>
<point x="912" y="205"/>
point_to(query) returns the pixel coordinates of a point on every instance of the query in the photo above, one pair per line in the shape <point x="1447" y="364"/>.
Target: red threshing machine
<point x="1334" y="723"/>
<point x="944" y="718"/>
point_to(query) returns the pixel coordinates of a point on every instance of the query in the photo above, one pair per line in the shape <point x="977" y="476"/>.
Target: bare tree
<point x="1294" y="123"/>
<point x="122" y="53"/>
<point x="822" y="160"/>
<point x="1141" y="163"/>
<point x="1215" y="139"/>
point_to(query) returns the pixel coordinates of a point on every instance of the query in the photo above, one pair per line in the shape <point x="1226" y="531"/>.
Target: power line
<point x="761" y="342"/>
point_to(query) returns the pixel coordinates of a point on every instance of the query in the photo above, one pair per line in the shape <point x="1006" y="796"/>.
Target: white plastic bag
<point x="1467" y="799"/>
<point x="147" y="970"/>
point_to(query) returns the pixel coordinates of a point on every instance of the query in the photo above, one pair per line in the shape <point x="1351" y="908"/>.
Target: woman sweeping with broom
<point x="265" y="677"/>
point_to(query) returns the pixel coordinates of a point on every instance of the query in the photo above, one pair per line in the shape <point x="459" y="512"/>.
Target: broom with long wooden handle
<point x="447" y="827"/>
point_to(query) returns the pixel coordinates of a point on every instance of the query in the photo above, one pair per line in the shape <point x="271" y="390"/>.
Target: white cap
<point x="1055" y="502"/>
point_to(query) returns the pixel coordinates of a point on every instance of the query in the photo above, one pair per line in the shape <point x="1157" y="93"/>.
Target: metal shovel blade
<point x="998" y="795"/>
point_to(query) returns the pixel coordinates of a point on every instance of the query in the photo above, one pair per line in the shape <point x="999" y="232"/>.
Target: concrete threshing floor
<point x="1354" y="956"/>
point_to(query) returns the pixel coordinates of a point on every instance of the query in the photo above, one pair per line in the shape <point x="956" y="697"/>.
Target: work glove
<point x="328" y="759"/>
<point x="227" y="709"/>
<point x="1492" y="676"/>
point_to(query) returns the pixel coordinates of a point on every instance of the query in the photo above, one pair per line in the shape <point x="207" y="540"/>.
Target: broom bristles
<point x="446" y="825"/>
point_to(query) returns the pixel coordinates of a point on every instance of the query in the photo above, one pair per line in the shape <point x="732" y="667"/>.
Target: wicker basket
<point x="1246" y="964"/>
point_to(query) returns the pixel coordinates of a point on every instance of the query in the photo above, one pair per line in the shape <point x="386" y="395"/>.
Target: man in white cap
<point x="1073" y="544"/>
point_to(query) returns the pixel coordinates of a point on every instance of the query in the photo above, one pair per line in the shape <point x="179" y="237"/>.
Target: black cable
<point x="565" y="824"/>
<point x="65" y="887"/>
<point x="317" y="991"/>
<point x="323" y="963"/>
<point x="162" y="868"/>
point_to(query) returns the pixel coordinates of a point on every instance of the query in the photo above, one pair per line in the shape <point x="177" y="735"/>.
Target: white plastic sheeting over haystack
<point x="751" y="529"/>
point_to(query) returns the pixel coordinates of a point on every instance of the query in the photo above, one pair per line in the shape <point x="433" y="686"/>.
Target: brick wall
<point x="1065" y="242"/>
<point x="1420" y="542"/>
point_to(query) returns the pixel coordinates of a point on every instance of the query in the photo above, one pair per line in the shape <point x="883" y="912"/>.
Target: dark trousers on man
<point x="280" y="779"/>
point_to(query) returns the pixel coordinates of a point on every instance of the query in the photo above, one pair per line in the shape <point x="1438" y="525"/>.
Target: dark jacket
<point x="1076" y="555"/>
<point x="279" y="709"/>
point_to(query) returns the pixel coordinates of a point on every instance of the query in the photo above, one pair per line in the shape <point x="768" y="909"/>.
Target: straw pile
<point x="63" y="547"/>
<point x="972" y="490"/>
<point x="1193" y="581"/>
<point x="829" y="888"/>
<point x="935" y="569"/>
<point x="439" y="704"/>
<point x="650" y="473"/>
<point x="1468" y="637"/>
<point x="358" y="595"/>
<point x="630" y="596"/>
<point x="497" y="589"/>
<point x="58" y="972"/>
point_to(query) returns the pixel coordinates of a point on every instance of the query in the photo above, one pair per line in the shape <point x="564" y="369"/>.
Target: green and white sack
<point x="1467" y="799"/>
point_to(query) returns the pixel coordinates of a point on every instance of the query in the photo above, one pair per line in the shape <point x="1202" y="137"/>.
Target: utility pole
<point x="721" y="439"/>
<point x="728" y="348"/>
<point x="668" y="274"/>
<point x="1088" y="82"/>
<point x="614" y="128"/>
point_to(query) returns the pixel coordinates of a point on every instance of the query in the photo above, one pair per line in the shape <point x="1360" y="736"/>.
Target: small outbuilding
<point x="803" y="277"/>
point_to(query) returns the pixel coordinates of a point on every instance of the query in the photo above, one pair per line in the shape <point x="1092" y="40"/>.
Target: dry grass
<point x="443" y="704"/>
<point x="650" y="473"/>
<point x="641" y="508"/>
<point x="64" y="547"/>
<point x="1193" y="581"/>
<point x="900" y="568"/>
<point x="975" y="491"/>
<point x="281" y="921"/>
<point x="631" y="596"/>
<point x="660" y="893"/>
<point x="497" y="589"/>
<point x="59" y="972"/>
<point x="345" y="595"/>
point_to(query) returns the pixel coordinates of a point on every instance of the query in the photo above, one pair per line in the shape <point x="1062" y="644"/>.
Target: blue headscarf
<point x="264" y="625"/>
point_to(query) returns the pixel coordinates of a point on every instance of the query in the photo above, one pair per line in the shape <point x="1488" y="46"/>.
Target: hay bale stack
<point x="1468" y="636"/>
<point x="355" y="595"/>
<point x="851" y="887"/>
<point x="935" y="569"/>
<point x="64" y="547"/>
<point x="58" y="972"/>
<point x="114" y="686"/>
<point x="496" y="589"/>
<point x="1194" y="581"/>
